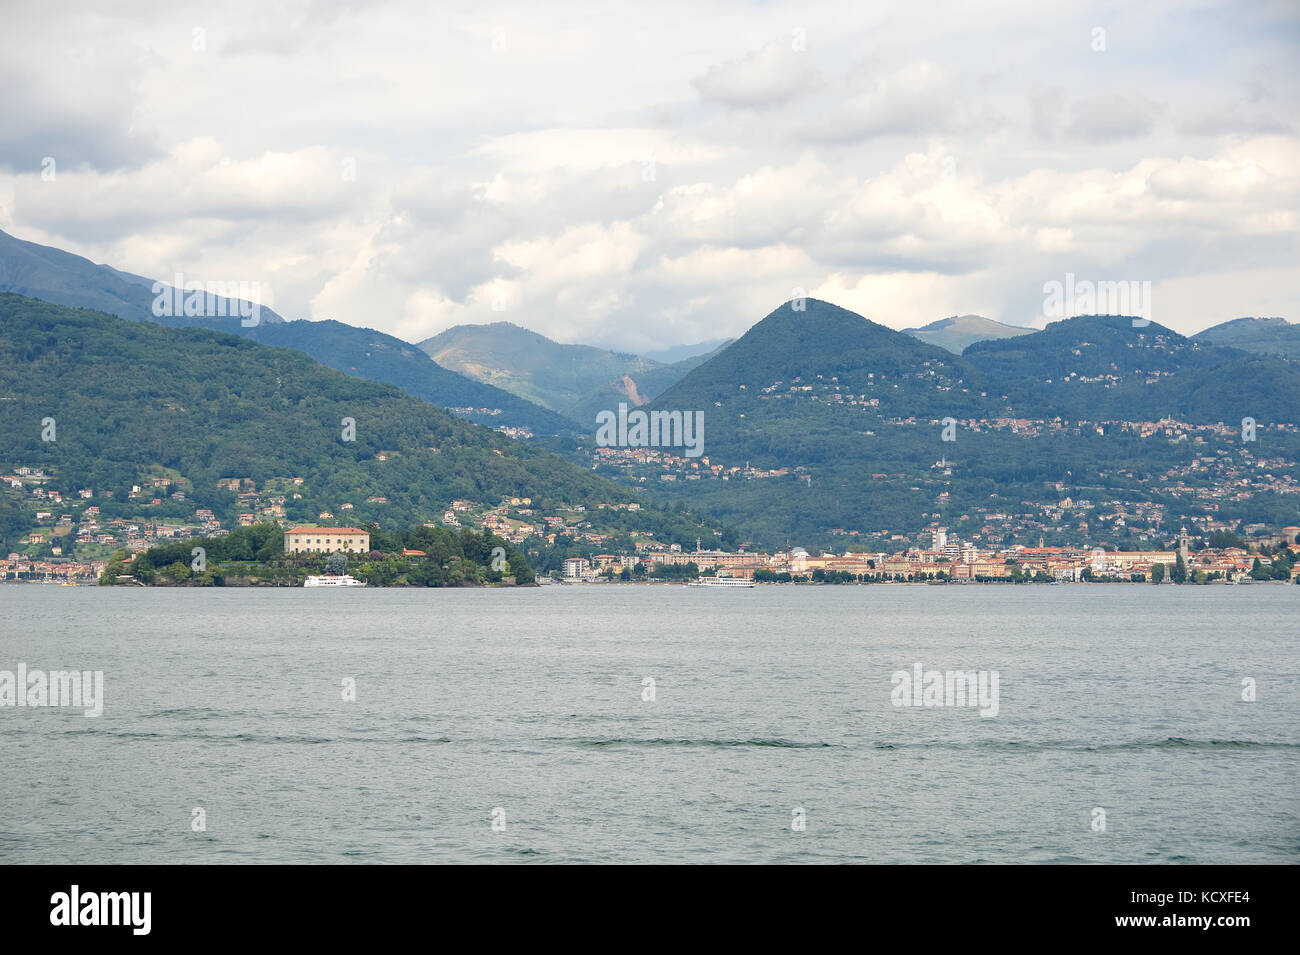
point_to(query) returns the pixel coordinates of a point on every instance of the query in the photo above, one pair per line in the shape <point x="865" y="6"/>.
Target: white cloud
<point x="1113" y="115"/>
<point x="772" y="76"/>
<point x="665" y="173"/>
<point x="917" y="99"/>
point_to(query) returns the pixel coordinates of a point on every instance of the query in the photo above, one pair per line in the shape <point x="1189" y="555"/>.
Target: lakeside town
<point x="75" y="535"/>
<point x="946" y="561"/>
<point x="1212" y="553"/>
<point x="957" y="560"/>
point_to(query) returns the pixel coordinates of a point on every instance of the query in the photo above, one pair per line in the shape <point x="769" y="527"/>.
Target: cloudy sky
<point x="640" y="175"/>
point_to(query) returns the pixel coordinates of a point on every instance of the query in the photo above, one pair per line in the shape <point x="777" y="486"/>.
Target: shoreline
<point x="658" y="583"/>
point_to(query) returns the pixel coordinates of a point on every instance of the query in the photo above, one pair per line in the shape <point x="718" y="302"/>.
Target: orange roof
<point x="327" y="530"/>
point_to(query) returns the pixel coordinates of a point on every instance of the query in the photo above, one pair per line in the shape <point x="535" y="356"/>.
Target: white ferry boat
<point x="333" y="580"/>
<point x="721" y="582"/>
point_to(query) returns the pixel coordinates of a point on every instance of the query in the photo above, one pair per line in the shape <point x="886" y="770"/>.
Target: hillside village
<point x="844" y="462"/>
<point x="73" y="538"/>
<point x="1220" y="472"/>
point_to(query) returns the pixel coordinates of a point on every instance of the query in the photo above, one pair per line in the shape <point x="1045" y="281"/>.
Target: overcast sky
<point x="640" y="175"/>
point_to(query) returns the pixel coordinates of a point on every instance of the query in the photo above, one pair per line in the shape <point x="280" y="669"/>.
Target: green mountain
<point x="822" y="427"/>
<point x="789" y="349"/>
<point x="805" y="394"/>
<point x="635" y="391"/>
<point x="529" y="364"/>
<point x="1262" y="336"/>
<point x="376" y="356"/>
<point x="959" y="331"/>
<point x="65" y="279"/>
<point x="52" y="275"/>
<point x="1103" y="367"/>
<point x="132" y="400"/>
<point x="574" y="380"/>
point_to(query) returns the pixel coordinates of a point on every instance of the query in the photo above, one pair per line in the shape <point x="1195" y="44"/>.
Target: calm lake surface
<point x="1121" y="698"/>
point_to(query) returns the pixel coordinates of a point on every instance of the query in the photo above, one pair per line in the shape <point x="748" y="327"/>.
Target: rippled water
<point x="1124" y="698"/>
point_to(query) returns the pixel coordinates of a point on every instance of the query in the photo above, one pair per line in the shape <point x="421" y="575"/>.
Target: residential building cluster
<point x="950" y="558"/>
<point x="72" y="535"/>
<point x="1218" y="474"/>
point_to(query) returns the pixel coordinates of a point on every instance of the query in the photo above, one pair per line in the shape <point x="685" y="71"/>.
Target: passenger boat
<point x="333" y="580"/>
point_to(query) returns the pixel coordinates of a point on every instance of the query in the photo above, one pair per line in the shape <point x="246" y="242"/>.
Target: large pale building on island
<point x="326" y="540"/>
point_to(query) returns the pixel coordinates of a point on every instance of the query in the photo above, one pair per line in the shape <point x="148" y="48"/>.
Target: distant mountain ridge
<point x="54" y="275"/>
<point x="844" y="420"/>
<point x="134" y="398"/>
<point x="574" y="380"/>
<point x="1089" y="365"/>
<point x="1103" y="366"/>
<point x="529" y="364"/>
<point x="839" y="416"/>
<point x="1263" y="336"/>
<point x="958" y="332"/>
<point x="678" y="353"/>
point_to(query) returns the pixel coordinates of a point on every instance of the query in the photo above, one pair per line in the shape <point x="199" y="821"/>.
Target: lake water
<point x="529" y="703"/>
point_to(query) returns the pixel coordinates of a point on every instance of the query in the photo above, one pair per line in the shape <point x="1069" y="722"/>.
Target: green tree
<point x="1157" y="573"/>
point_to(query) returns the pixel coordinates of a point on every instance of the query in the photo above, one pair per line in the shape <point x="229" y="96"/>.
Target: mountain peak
<point x="952" y="321"/>
<point x="64" y="278"/>
<point x="958" y="332"/>
<point x="808" y="306"/>
<point x="1086" y="330"/>
<point x="793" y="345"/>
<point x="1263" y="336"/>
